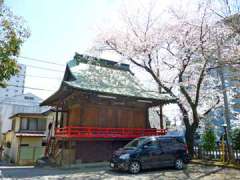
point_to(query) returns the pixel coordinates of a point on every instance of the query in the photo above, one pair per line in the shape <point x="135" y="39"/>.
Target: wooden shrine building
<point x="100" y="106"/>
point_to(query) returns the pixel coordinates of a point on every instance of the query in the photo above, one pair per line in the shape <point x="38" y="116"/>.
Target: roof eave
<point x="154" y="102"/>
<point x="27" y="115"/>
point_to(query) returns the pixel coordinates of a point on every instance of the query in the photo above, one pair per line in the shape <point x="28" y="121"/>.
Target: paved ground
<point x="193" y="171"/>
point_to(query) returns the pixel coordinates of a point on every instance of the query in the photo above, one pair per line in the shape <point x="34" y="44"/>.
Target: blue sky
<point x="59" y="28"/>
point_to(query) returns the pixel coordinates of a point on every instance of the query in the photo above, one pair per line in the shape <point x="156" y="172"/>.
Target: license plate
<point x="111" y="165"/>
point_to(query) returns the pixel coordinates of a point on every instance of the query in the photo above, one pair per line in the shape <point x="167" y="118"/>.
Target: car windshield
<point x="135" y="143"/>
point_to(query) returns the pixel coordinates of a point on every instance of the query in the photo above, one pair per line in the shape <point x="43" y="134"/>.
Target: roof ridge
<point x="86" y="59"/>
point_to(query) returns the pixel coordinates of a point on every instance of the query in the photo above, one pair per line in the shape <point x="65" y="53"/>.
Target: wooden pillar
<point x="161" y="116"/>
<point x="61" y="116"/>
<point x="56" y="119"/>
<point x="147" y="123"/>
<point x="67" y="118"/>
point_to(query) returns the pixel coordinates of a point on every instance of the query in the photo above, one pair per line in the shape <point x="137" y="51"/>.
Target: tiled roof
<point x="109" y="77"/>
<point x="104" y="77"/>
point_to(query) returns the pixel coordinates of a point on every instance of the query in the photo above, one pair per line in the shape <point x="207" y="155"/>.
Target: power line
<point x="47" y="69"/>
<point x="26" y="87"/>
<point x="43" y="77"/>
<point x="40" y="60"/>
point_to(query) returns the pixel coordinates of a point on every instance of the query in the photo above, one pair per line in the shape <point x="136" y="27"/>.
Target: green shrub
<point x="236" y="138"/>
<point x="209" y="140"/>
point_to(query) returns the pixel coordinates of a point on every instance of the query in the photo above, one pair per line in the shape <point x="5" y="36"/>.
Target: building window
<point x="41" y="125"/>
<point x="24" y="124"/>
<point x="33" y="124"/>
<point x="28" y="98"/>
<point x="24" y="145"/>
<point x="13" y="125"/>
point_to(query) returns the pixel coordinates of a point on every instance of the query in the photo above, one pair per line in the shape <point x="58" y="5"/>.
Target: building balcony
<point x="35" y="133"/>
<point x="95" y="132"/>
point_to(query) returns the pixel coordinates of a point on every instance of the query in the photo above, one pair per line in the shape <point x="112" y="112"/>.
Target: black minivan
<point x="151" y="152"/>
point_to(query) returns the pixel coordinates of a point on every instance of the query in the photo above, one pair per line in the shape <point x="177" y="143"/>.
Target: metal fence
<point x="220" y="153"/>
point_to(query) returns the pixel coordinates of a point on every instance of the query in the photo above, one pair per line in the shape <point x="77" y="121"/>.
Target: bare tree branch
<point x="211" y="108"/>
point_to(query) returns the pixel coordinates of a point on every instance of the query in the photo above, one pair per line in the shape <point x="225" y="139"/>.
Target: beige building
<point x="26" y="141"/>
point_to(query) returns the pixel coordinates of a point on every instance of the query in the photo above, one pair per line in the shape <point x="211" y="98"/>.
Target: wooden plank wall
<point x="74" y="115"/>
<point x="97" y="151"/>
<point x="107" y="116"/>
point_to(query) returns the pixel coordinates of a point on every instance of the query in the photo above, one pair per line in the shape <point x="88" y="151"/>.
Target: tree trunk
<point x="189" y="135"/>
<point x="161" y="116"/>
<point x="190" y="129"/>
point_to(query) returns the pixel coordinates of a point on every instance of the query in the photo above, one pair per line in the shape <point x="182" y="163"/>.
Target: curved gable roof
<point x="107" y="77"/>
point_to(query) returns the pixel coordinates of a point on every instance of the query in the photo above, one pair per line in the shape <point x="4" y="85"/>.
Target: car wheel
<point x="134" y="167"/>
<point x="179" y="164"/>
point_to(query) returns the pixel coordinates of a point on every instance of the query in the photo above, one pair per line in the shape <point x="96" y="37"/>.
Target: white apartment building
<point x="16" y="84"/>
<point x="24" y="103"/>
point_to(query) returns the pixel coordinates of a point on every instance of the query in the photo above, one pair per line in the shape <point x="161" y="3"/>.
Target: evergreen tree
<point x="209" y="140"/>
<point x="236" y="138"/>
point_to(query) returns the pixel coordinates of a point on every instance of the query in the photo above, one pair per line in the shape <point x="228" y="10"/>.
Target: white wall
<point x="18" y="104"/>
<point x="17" y="84"/>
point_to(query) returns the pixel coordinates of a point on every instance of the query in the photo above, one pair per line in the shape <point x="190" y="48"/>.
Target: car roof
<point x="161" y="137"/>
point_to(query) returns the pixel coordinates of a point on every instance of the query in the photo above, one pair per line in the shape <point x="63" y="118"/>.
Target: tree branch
<point x="199" y="83"/>
<point x="202" y="74"/>
<point x="148" y="69"/>
<point x="211" y="108"/>
<point x="180" y="80"/>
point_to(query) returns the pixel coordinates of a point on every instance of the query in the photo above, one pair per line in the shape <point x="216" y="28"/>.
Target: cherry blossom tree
<point x="181" y="50"/>
<point x="227" y="11"/>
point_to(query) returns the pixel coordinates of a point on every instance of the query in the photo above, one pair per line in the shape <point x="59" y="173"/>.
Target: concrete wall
<point x="9" y="152"/>
<point x="66" y="157"/>
<point x="14" y="149"/>
<point x="32" y="141"/>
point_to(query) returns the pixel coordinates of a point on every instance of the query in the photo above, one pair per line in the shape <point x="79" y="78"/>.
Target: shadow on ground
<point x="192" y="171"/>
<point x="58" y="173"/>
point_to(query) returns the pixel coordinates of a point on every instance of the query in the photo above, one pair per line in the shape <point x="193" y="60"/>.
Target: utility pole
<point x="226" y="111"/>
<point x="226" y="107"/>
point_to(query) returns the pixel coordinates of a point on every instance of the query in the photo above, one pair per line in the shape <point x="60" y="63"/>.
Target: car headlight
<point x="124" y="156"/>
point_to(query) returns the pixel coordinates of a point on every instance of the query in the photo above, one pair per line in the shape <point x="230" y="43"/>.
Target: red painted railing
<point x="94" y="132"/>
